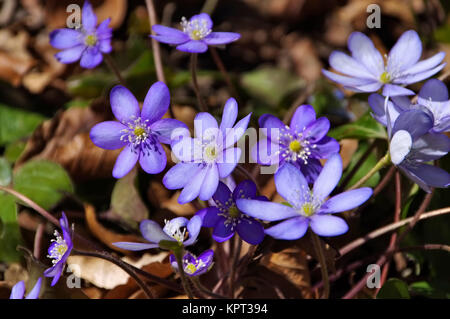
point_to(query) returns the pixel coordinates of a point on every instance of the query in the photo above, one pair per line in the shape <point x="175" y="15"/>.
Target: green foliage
<point x="368" y="164"/>
<point x="364" y="128"/>
<point x="14" y="150"/>
<point x="5" y="172"/>
<point x="394" y="288"/>
<point x="42" y="181"/>
<point x="9" y="229"/>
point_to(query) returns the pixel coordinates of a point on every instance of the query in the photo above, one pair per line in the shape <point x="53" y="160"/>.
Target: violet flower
<point x="412" y="145"/>
<point x="207" y="157"/>
<point x="227" y="219"/>
<point x="86" y="44"/>
<point x="306" y="207"/>
<point x="302" y="144"/>
<point x="59" y="250"/>
<point x="366" y="71"/>
<point x="18" y="291"/>
<point x="139" y="132"/>
<point x="194" y="266"/>
<point x="196" y="36"/>
<point x="179" y="230"/>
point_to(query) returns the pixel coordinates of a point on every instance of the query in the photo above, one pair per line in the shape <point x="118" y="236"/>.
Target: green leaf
<point x="364" y="128"/>
<point x="394" y="289"/>
<point x="5" y="172"/>
<point x="368" y="164"/>
<point x="43" y="181"/>
<point x="14" y="150"/>
<point x="126" y="202"/>
<point x="9" y="229"/>
<point x="16" y="123"/>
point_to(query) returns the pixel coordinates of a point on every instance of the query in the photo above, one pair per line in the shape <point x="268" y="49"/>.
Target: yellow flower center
<point x="197" y="35"/>
<point x="295" y="146"/>
<point x="90" y="40"/>
<point x="190" y="268"/>
<point x="211" y="152"/>
<point x="308" y="209"/>
<point x="233" y="211"/>
<point x="385" y="77"/>
<point x="139" y="131"/>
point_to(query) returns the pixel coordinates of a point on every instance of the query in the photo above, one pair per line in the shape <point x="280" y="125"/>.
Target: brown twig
<point x="218" y="61"/>
<point x="201" y="103"/>
<point x="38" y="241"/>
<point x="112" y="65"/>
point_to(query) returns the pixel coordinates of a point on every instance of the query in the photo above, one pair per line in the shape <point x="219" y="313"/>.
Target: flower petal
<point x="328" y="225"/>
<point x="193" y="227"/>
<point x="405" y="53"/>
<point x="152" y="231"/>
<point x="105" y="46"/>
<point x="90" y="58"/>
<point x="234" y="134"/>
<point x="228" y="161"/>
<point x="222" y="232"/>
<point x="417" y="77"/>
<point x="192" y="189"/>
<point x="291" y="184"/>
<point x="223" y="195"/>
<point x="125" y="161"/>
<point x="135" y="246"/>
<point x="88" y="17"/>
<point x="123" y="104"/>
<point x="347" y="65"/>
<point x="426" y="175"/>
<point x="291" y="229"/>
<point x="328" y="178"/>
<point x="400" y="146"/>
<point x="153" y="161"/>
<point x="346" y="80"/>
<point x="266" y="152"/>
<point x="304" y="115"/>
<point x="18" y="290"/>
<point x="250" y="231"/>
<point x="107" y="135"/>
<point x="218" y="38"/>
<point x="169" y="35"/>
<point x="169" y="130"/>
<point x="211" y="217"/>
<point x="180" y="175"/>
<point x="156" y="102"/>
<point x="34" y="293"/>
<point x="205" y="125"/>
<point x="202" y="19"/>
<point x="346" y="201"/>
<point x="193" y="46"/>
<point x="229" y="116"/>
<point x="435" y="90"/>
<point x="324" y="148"/>
<point x="427" y="64"/>
<point x="364" y="52"/>
<point x="416" y="122"/>
<point x="245" y="189"/>
<point x="395" y="90"/>
<point x="210" y="183"/>
<point x="317" y="129"/>
<point x="430" y="147"/>
<point x="65" y="38"/>
<point x="70" y="55"/>
<point x="265" y="210"/>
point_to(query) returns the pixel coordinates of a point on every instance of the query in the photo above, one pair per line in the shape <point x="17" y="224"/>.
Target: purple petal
<point x="222" y="232"/>
<point x="304" y="115"/>
<point x="346" y="201"/>
<point x="65" y="38"/>
<point x="317" y="129"/>
<point x="427" y="64"/>
<point x="153" y="161"/>
<point x="235" y="133"/>
<point x="416" y="122"/>
<point x="265" y="152"/>
<point x="210" y="183"/>
<point x="90" y="58"/>
<point x="169" y="130"/>
<point x="193" y="46"/>
<point x="103" y="30"/>
<point x="107" y="135"/>
<point x="88" y="17"/>
<point x="223" y="196"/>
<point x="54" y="272"/>
<point x="205" y="125"/>
<point x="156" y="102"/>
<point x="405" y="53"/>
<point x="250" y="231"/>
<point x="187" y="149"/>
<point x="179" y="175"/>
<point x="152" y="231"/>
<point x="123" y="104"/>
<point x="328" y="178"/>
<point x="326" y="147"/>
<point x="328" y="225"/>
<point x="345" y="80"/>
<point x="228" y="161"/>
<point x="169" y="35"/>
<point x="245" y="189"/>
<point x="417" y="77"/>
<point x="366" y="88"/>
<point x="105" y="46"/>
<point x="192" y="189"/>
<point x="426" y="175"/>
<point x="193" y="228"/>
<point x="364" y="52"/>
<point x="229" y="116"/>
<point x="347" y="65"/>
<point x="311" y="170"/>
<point x="18" y="290"/>
<point x="34" y="293"/>
<point x="265" y="210"/>
<point x="202" y="18"/>
<point x="218" y="38"/>
<point x="291" y="184"/>
<point x="70" y="55"/>
<point x="125" y="161"/>
<point x="206" y="257"/>
<point x="135" y="246"/>
<point x="430" y="147"/>
<point x="394" y="90"/>
<point x="435" y="90"/>
<point x="291" y="229"/>
<point x="211" y="217"/>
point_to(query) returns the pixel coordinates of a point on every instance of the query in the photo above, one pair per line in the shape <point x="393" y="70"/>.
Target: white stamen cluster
<point x="191" y="268"/>
<point x="309" y="205"/>
<point x="302" y="151"/>
<point x="197" y="29"/>
<point x="58" y="249"/>
<point x="139" y="135"/>
<point x="174" y="231"/>
<point x="230" y="211"/>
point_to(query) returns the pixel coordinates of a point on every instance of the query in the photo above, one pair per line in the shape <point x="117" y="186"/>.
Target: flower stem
<point x="323" y="264"/>
<point x="196" y="281"/>
<point x="201" y="103"/>
<point x="385" y="160"/>
<point x="179" y="257"/>
<point x="237" y="243"/>
<point x="112" y="65"/>
<point x="223" y="70"/>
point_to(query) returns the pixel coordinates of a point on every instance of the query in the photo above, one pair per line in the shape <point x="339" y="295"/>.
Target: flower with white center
<point x="59" y="250"/>
<point x="192" y="265"/>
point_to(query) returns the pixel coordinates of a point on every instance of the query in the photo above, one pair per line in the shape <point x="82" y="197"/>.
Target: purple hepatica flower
<point x="226" y="218"/>
<point x="365" y="70"/>
<point x="59" y="250"/>
<point x="196" y="34"/>
<point x="140" y="132"/>
<point x="18" y="291"/>
<point x="306" y="207"/>
<point x="207" y="157"/>
<point x="178" y="230"/>
<point x="88" y="43"/>
<point x="194" y="266"/>
<point x="412" y="144"/>
<point x="302" y="144"/>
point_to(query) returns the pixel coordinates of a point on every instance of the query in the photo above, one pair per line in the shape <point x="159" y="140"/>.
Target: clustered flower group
<point x="415" y="132"/>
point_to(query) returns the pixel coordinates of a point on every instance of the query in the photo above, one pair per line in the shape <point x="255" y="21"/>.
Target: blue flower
<point x="306" y="207"/>
<point x="302" y="144"/>
<point x="196" y="35"/>
<point x="59" y="250"/>
<point x="18" y="291"/>
<point x="139" y="132"/>
<point x="366" y="71"/>
<point x="86" y="44"/>
<point x="194" y="266"/>
<point x="207" y="157"/>
<point x="412" y="145"/>
<point x="179" y="230"/>
<point x="225" y="217"/>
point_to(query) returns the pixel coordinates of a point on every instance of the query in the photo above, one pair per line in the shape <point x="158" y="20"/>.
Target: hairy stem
<point x="179" y="257"/>
<point x="323" y="264"/>
<point x="112" y="65"/>
<point x="201" y="103"/>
